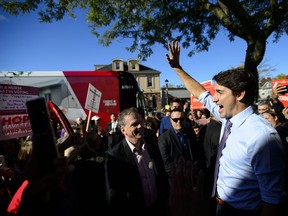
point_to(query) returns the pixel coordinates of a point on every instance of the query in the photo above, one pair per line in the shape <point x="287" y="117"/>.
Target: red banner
<point x="195" y="104"/>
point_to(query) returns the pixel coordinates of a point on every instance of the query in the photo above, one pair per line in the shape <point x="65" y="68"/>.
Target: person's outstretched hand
<point x="186" y="191"/>
<point x="174" y="50"/>
<point x="278" y="90"/>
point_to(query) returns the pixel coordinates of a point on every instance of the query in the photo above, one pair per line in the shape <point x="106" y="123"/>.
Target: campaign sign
<point x="14" y="120"/>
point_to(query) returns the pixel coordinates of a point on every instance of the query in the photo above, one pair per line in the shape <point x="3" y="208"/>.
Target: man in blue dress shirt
<point x="250" y="177"/>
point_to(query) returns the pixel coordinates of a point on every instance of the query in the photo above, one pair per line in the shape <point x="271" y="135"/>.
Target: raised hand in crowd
<point x="276" y="104"/>
<point x="278" y="90"/>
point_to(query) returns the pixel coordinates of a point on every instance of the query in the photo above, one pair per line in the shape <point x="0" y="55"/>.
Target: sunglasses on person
<point x="178" y="119"/>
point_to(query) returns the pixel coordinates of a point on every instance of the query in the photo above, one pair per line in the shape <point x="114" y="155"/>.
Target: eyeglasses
<point x="178" y="119"/>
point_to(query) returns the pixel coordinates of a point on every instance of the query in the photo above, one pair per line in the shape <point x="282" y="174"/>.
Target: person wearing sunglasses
<point x="165" y="123"/>
<point x="178" y="141"/>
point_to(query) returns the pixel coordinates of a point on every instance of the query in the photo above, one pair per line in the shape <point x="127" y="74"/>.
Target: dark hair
<point x="271" y="112"/>
<point x="176" y="110"/>
<point x="176" y="100"/>
<point x="239" y="80"/>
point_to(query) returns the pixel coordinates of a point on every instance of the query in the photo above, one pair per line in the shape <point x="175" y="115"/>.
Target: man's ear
<point x="241" y="95"/>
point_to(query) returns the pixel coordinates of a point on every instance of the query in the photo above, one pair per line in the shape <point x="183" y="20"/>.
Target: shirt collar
<point x="132" y="147"/>
<point x="241" y="117"/>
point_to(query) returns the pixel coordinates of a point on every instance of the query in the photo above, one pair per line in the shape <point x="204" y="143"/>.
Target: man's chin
<point x="222" y="115"/>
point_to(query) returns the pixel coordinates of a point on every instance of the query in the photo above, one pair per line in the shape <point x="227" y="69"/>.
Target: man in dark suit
<point x="136" y="181"/>
<point x="112" y="131"/>
<point x="178" y="141"/>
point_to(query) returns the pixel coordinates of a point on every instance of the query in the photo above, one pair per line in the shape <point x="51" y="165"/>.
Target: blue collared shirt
<point x="253" y="161"/>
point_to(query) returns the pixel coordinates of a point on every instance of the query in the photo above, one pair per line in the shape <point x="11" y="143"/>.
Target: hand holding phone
<point x="44" y="151"/>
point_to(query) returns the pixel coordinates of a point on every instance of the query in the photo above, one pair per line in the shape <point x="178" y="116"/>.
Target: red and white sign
<point x="195" y="104"/>
<point x="282" y="98"/>
<point x="14" y="120"/>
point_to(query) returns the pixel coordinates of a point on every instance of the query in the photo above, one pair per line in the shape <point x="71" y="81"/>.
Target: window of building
<point x="150" y="104"/>
<point x="133" y="65"/>
<point x="117" y="65"/>
<point x="149" y="81"/>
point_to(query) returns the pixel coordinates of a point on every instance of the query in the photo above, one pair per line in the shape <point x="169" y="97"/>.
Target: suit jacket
<point x="123" y="182"/>
<point x="171" y="149"/>
<point x="113" y="138"/>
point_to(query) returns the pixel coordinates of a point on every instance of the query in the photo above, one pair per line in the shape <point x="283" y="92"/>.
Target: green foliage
<point x="195" y="23"/>
<point x="281" y="76"/>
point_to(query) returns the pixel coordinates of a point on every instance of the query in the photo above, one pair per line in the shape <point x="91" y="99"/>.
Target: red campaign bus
<point x="69" y="90"/>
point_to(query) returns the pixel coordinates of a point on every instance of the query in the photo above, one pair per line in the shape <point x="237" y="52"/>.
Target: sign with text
<point x="93" y="99"/>
<point x="195" y="104"/>
<point x="14" y="120"/>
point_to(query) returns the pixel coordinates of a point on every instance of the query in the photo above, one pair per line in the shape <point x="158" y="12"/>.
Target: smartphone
<point x="43" y="134"/>
<point x="2" y="162"/>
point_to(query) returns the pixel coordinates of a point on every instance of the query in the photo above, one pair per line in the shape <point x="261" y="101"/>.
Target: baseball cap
<point x="96" y="118"/>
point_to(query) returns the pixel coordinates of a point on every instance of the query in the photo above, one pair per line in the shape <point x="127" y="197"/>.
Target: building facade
<point x="147" y="78"/>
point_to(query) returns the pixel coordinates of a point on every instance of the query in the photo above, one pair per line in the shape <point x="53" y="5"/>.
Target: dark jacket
<point x="123" y="182"/>
<point x="115" y="137"/>
<point x="171" y="149"/>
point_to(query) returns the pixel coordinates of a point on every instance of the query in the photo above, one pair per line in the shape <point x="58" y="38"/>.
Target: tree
<point x="191" y="22"/>
<point x="264" y="69"/>
<point x="281" y="76"/>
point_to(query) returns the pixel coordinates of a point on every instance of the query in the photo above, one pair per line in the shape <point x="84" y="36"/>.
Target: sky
<point x="27" y="45"/>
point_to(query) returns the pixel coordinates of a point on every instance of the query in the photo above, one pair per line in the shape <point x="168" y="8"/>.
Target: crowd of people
<point x="177" y="163"/>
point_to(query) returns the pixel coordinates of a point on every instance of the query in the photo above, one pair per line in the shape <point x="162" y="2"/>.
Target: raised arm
<point x="193" y="86"/>
<point x="277" y="105"/>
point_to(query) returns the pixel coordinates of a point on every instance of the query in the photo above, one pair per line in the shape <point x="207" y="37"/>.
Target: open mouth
<point x="220" y="108"/>
<point x="138" y="132"/>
